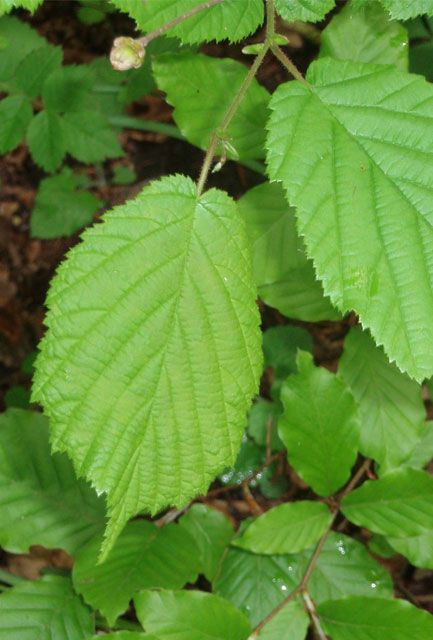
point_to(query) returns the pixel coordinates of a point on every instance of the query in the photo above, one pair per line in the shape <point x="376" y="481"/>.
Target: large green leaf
<point x="153" y="350"/>
<point x="232" y="19"/>
<point x="190" y="615"/>
<point x="368" y="619"/>
<point x="46" y="609"/>
<point x="284" y="276"/>
<point x="143" y="557"/>
<point x="211" y="531"/>
<point x="366" y="34"/>
<point x="399" y="504"/>
<point x="304" y="10"/>
<point x="15" y="115"/>
<point x="32" y="72"/>
<point x="390" y="405"/>
<point x="18" y="39"/>
<point x="46" y="140"/>
<point x="254" y="583"/>
<point x="353" y="152"/>
<point x="287" y="528"/>
<point x="69" y="89"/>
<point x="320" y="426"/>
<point x="417" y="549"/>
<point x="201" y="88"/>
<point x="403" y="9"/>
<point x="40" y="496"/>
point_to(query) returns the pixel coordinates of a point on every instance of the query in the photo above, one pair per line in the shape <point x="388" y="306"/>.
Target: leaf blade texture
<point x="319" y="426"/>
<point x="356" y="181"/>
<point x="165" y="407"/>
<point x="305" y="11"/>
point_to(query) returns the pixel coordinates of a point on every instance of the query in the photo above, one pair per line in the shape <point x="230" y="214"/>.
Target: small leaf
<point x="68" y="89"/>
<point x="143" y="557"/>
<point x="46" y="609"/>
<point x="190" y="615"/>
<point x="399" y="504"/>
<point x="368" y="619"/>
<point x="36" y="68"/>
<point x="281" y="345"/>
<point x="291" y="623"/>
<point x="89" y="138"/>
<point x="288" y="528"/>
<point x="319" y="426"/>
<point x="15" y="115"/>
<point x="39" y="493"/>
<point x="417" y="549"/>
<point x="337" y="146"/>
<point x="163" y="391"/>
<point x="212" y="532"/>
<point x="366" y="34"/>
<point x="206" y="86"/>
<point x="124" y="175"/>
<point x="284" y="276"/>
<point x="254" y="583"/>
<point x="299" y="10"/>
<point x="60" y="210"/>
<point x="46" y="140"/>
<point x="232" y="19"/>
<point x="261" y="414"/>
<point x="390" y="405"/>
<point x="18" y="40"/>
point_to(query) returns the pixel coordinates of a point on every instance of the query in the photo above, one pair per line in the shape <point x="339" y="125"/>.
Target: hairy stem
<point x="178" y="20"/>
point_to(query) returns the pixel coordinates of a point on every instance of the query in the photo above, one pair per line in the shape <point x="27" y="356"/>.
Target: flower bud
<point x="126" y="53"/>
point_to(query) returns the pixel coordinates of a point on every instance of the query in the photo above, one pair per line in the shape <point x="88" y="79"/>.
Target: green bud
<point x="126" y="53"/>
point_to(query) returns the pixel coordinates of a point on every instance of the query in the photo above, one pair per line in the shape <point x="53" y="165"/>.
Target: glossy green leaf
<point x="60" y="210"/>
<point x="399" y="504"/>
<point x="190" y="615"/>
<point x="304" y="10"/>
<point x="417" y="549"/>
<point x="15" y="116"/>
<point x="353" y="152"/>
<point x="89" y="138"/>
<point x="18" y="39"/>
<point x="36" y="67"/>
<point x="291" y="623"/>
<point x="390" y="405"/>
<point x="231" y="20"/>
<point x="403" y="9"/>
<point x="287" y="528"/>
<point x="205" y="86"/>
<point x="143" y="557"/>
<point x="164" y="399"/>
<point x="366" y="34"/>
<point x="254" y="583"/>
<point x="46" y="609"/>
<point x="46" y="140"/>
<point x="211" y="531"/>
<point x="345" y="568"/>
<point x="40" y="496"/>
<point x="8" y="5"/>
<point x="368" y="619"/>
<point x="284" y="276"/>
<point x="68" y="89"/>
<point x="319" y="426"/>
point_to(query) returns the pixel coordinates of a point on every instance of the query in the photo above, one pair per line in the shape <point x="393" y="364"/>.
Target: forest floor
<point x="27" y="264"/>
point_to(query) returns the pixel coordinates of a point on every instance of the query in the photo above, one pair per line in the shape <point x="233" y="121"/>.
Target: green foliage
<point x="351" y="168"/>
<point x="231" y="20"/>
<point x="46" y="140"/>
<point x="403" y="9"/>
<point x="18" y="39"/>
<point x="206" y="86"/>
<point x="366" y="34"/>
<point x="368" y="619"/>
<point x="8" y="5"/>
<point x="190" y="615"/>
<point x="211" y="531"/>
<point x="292" y="10"/>
<point x="47" y="609"/>
<point x="39" y="493"/>
<point x="37" y="65"/>
<point x="390" y="405"/>
<point x="319" y="426"/>
<point x="288" y="528"/>
<point x="77" y="210"/>
<point x="196" y="254"/>
<point x="284" y="276"/>
<point x="399" y="504"/>
<point x="15" y="115"/>
<point x="143" y="557"/>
